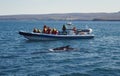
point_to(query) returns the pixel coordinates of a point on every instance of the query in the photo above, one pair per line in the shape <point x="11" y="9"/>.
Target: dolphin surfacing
<point x="63" y="48"/>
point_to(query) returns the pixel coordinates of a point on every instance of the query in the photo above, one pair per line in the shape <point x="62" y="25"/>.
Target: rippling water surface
<point x="94" y="57"/>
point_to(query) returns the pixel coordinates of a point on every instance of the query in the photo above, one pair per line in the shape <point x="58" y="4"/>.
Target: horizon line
<point x="54" y="13"/>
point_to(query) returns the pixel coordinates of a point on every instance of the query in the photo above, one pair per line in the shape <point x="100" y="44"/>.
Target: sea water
<point x="94" y="57"/>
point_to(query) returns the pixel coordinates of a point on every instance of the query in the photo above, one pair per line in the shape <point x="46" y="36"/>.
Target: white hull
<point x="41" y="36"/>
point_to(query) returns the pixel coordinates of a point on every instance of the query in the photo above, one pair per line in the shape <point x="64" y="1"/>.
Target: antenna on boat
<point x="69" y="20"/>
<point x="69" y="23"/>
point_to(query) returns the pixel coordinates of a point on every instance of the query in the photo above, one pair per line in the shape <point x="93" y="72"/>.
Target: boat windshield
<point x="69" y="25"/>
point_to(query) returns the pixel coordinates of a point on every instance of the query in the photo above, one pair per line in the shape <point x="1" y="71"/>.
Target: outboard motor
<point x="90" y="30"/>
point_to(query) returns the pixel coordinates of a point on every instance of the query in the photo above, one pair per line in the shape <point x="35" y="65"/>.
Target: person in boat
<point x="35" y="30"/>
<point x="54" y="31"/>
<point x="48" y="30"/>
<point x="64" y="32"/>
<point x="45" y="29"/>
<point x="38" y="31"/>
<point x="74" y="29"/>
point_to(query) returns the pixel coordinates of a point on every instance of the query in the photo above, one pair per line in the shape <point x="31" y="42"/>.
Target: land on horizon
<point x="66" y="16"/>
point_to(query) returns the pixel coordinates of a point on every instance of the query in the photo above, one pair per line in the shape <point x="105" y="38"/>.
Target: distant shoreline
<point x="66" y="17"/>
<point x="53" y="20"/>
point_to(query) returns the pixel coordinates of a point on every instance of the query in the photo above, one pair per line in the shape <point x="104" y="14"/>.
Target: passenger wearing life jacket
<point x="45" y="29"/>
<point x="38" y="31"/>
<point x="56" y="31"/>
<point x="35" y="30"/>
<point x="53" y="31"/>
<point x="48" y="30"/>
<point x="74" y="29"/>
